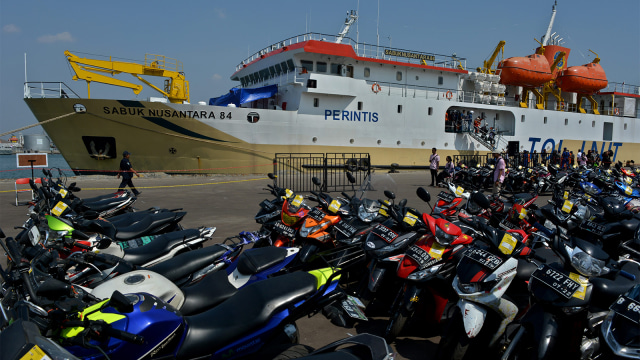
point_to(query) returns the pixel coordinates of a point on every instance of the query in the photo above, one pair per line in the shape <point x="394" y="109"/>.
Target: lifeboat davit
<point x="584" y="79"/>
<point x="528" y="71"/>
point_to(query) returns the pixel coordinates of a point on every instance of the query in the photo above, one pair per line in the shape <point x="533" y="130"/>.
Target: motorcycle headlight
<point x="624" y="338"/>
<point x="476" y="287"/>
<point x="368" y="210"/>
<point x="586" y="264"/>
<point x="473" y="208"/>
<point x="443" y="238"/>
<point x="290" y="220"/>
<point x="425" y="274"/>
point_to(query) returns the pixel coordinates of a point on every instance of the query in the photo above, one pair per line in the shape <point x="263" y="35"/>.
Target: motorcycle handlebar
<point x="628" y="275"/>
<point x="123" y="335"/>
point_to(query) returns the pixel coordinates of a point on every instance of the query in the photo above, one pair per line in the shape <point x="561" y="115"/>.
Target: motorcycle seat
<point x="102" y="205"/>
<point x="607" y="289"/>
<point x="249" y="309"/>
<point x="189" y="262"/>
<point x="254" y="261"/>
<point x="160" y="245"/>
<point x="102" y="197"/>
<point x="147" y="225"/>
<point x="212" y="290"/>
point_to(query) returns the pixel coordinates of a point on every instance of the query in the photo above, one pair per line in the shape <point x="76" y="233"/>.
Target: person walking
<point x="606" y="160"/>
<point x="498" y="173"/>
<point x="434" y="165"/>
<point x="127" y="171"/>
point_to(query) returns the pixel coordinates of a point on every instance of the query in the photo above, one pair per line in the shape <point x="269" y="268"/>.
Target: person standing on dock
<point x="127" y="171"/>
<point x="434" y="164"/>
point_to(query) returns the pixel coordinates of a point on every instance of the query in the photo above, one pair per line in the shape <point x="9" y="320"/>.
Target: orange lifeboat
<point x="528" y="71"/>
<point x="584" y="79"/>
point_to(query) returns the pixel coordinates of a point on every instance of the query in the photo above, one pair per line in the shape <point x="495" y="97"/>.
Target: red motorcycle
<point x="427" y="270"/>
<point x="285" y="230"/>
<point x="449" y="202"/>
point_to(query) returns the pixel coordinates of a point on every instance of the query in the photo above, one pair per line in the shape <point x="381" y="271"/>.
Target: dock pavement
<point x="229" y="202"/>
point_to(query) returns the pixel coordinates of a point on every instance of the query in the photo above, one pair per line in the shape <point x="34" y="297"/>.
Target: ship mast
<point x="351" y="18"/>
<point x="547" y="36"/>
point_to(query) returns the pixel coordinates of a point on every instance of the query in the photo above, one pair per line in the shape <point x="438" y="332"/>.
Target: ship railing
<point x="621" y="88"/>
<point x="364" y="50"/>
<point x="48" y="90"/>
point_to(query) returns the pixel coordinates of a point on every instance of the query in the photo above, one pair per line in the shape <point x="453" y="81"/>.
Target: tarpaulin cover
<point x="240" y="96"/>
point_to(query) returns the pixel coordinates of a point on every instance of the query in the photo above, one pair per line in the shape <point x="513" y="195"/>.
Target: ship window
<point x="497" y="116"/>
<point x="625" y="127"/>
<point x="316" y="102"/>
<point x="566" y="122"/>
<point x="335" y="68"/>
<point x="545" y="119"/>
<point x="247" y="80"/>
<point x="360" y="107"/>
<point x="278" y="68"/>
<point x="264" y="74"/>
<point x="272" y="71"/>
<point x="399" y="109"/>
<point x="312" y="83"/>
<point x="290" y="64"/>
<point x="306" y="64"/>
<point x="522" y="118"/>
<point x="399" y="75"/>
<point x="256" y="75"/>
<point x="607" y="131"/>
<point x="367" y="72"/>
<point x="440" y="80"/>
<point x="100" y="147"/>
<point x="593" y="123"/>
<point x="321" y="67"/>
<point x="417" y="78"/>
<point x="252" y="78"/>
<point x="430" y="110"/>
<point x="242" y="82"/>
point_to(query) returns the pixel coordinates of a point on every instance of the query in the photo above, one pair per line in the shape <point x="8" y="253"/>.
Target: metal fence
<point x="295" y="171"/>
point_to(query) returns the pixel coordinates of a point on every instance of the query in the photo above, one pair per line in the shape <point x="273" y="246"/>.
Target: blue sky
<point x="212" y="37"/>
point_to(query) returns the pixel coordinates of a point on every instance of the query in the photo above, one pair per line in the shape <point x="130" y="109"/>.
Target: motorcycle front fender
<point x="411" y="298"/>
<point x="375" y="278"/>
<point x="473" y="317"/>
<point x="544" y="328"/>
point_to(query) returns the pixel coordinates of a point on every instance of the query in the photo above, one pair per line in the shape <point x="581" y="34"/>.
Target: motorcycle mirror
<point x="74" y="188"/>
<point x="2" y="235"/>
<point x="402" y="203"/>
<point x="423" y="194"/>
<point x="120" y="302"/>
<point x="350" y="177"/>
<point x="481" y="200"/>
<point x="316" y="181"/>
<point x="72" y="184"/>
<point x="271" y="176"/>
<point x="33" y="185"/>
<point x="389" y="194"/>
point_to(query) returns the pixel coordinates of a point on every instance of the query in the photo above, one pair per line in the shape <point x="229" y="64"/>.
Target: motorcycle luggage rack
<point x="343" y="257"/>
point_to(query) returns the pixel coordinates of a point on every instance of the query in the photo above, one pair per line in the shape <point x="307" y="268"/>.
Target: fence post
<point x="325" y="173"/>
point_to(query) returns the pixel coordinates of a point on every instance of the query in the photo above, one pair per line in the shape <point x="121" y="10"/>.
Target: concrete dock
<point x="230" y="203"/>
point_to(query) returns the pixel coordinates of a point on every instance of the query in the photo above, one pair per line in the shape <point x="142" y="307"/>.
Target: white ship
<point x="316" y="93"/>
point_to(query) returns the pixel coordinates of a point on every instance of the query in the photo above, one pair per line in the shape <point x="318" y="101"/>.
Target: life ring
<point x="449" y="95"/>
<point x="616" y="111"/>
<point x="376" y="88"/>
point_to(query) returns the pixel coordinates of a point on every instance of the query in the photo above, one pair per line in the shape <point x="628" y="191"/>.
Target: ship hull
<point x="185" y="138"/>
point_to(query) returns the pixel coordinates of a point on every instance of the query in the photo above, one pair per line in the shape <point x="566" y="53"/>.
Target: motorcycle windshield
<point x="374" y="186"/>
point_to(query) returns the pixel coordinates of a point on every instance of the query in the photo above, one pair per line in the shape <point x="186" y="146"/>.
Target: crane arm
<point x="90" y="69"/>
<point x="486" y="68"/>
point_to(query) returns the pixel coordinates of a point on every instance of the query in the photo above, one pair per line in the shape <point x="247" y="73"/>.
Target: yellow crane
<point x="486" y="66"/>
<point x="176" y="88"/>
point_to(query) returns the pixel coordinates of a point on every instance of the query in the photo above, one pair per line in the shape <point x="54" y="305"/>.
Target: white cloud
<point x="221" y="13"/>
<point x="10" y="28"/>
<point x="61" y="37"/>
<point x="216" y="77"/>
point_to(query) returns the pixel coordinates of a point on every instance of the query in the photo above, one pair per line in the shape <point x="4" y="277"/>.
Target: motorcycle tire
<point x="396" y="324"/>
<point x="454" y="342"/>
<point x="294" y="352"/>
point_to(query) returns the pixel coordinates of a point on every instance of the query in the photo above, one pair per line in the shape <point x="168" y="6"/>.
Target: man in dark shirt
<point x="127" y="171"/>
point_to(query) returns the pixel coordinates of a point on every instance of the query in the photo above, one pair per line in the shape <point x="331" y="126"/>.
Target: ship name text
<point x="362" y="116"/>
<point x="166" y="113"/>
<point x="586" y="145"/>
<point x="409" y="55"/>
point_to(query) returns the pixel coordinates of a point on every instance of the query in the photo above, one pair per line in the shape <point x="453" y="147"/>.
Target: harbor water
<point x="9" y="168"/>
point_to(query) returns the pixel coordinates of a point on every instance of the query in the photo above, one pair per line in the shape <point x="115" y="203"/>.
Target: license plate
<point x="556" y="280"/>
<point x="421" y="256"/>
<point x="385" y="233"/>
<point x="285" y="230"/>
<point x="352" y="306"/>
<point x="484" y="258"/>
<point x="592" y="227"/>
<point x="346" y="229"/>
<point x="268" y="205"/>
<point x="316" y="214"/>
<point x="627" y="308"/>
<point x="445" y="196"/>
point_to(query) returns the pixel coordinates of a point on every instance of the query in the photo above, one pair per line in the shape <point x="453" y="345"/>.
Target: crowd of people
<point x="457" y="121"/>
<point x="565" y="159"/>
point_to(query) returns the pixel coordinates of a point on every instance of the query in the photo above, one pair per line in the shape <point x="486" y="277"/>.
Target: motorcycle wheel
<point x="396" y="323"/>
<point x="294" y="352"/>
<point x="454" y="342"/>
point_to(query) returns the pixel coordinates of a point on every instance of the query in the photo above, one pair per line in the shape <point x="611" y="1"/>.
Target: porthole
<point x="379" y="142"/>
<point x="315" y="139"/>
<point x="351" y="141"/>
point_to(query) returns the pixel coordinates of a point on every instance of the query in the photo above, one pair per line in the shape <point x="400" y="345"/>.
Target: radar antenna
<point x="351" y="18"/>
